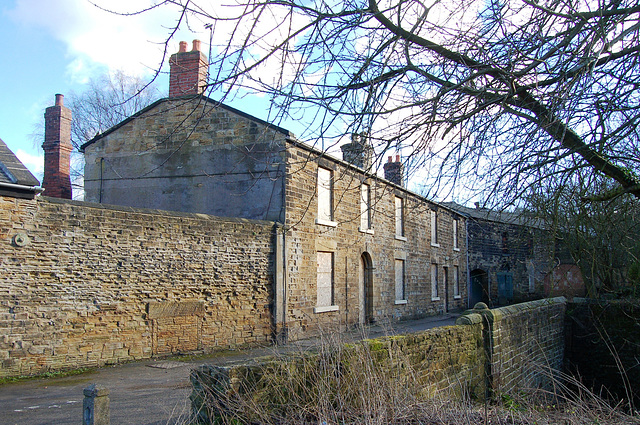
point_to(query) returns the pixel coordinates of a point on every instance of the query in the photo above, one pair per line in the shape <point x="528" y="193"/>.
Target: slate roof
<point x="12" y="170"/>
<point x="515" y="218"/>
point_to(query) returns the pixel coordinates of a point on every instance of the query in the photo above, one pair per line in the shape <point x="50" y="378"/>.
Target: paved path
<point x="154" y="392"/>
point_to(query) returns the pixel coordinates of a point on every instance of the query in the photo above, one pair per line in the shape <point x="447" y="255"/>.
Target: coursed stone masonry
<point x="88" y="284"/>
<point x="446" y="360"/>
<point x="306" y="236"/>
<point x="487" y="353"/>
<point x="525" y="343"/>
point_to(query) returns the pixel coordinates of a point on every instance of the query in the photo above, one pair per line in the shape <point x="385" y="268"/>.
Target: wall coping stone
<point x="497" y="314"/>
<point x="469" y="317"/>
<point x="149" y="211"/>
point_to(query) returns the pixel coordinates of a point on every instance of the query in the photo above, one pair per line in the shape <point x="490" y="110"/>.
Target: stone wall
<point x="447" y="361"/>
<point x="523" y="252"/>
<point x="525" y="342"/>
<point x="603" y="346"/>
<point x="86" y="284"/>
<point x="487" y="353"/>
<point x="305" y="236"/>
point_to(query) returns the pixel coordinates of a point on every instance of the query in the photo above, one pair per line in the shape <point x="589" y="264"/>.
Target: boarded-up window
<point x="325" y="210"/>
<point x="325" y="279"/>
<point x="399" y="216"/>
<point x="365" y="207"/>
<point x="434" y="281"/>
<point x="434" y="228"/>
<point x="400" y="285"/>
<point x="456" y="281"/>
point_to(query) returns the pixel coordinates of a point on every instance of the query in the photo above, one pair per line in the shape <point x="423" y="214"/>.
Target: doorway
<point x="365" y="286"/>
<point x="479" y="287"/>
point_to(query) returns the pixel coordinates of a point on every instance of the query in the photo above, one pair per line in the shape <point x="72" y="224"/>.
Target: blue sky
<point x="56" y="46"/>
<point x="33" y="70"/>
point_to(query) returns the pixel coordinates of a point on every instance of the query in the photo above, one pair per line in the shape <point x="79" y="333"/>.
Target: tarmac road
<point x="153" y="392"/>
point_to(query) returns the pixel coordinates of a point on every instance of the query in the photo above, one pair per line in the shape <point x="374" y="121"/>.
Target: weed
<point x="46" y="375"/>
<point x="374" y="382"/>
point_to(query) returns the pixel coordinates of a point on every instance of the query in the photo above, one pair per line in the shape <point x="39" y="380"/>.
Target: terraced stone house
<point x="352" y="247"/>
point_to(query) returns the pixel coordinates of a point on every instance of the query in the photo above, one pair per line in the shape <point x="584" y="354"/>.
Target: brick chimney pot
<point x="188" y="71"/>
<point x="394" y="171"/>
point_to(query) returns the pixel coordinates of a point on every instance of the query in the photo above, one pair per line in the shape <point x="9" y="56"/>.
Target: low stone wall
<point x="526" y="343"/>
<point x="447" y="360"/>
<point x="603" y="346"/>
<point x="86" y="284"/>
<point x="488" y="352"/>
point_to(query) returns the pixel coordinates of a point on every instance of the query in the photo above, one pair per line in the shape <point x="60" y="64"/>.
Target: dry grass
<point x="345" y="384"/>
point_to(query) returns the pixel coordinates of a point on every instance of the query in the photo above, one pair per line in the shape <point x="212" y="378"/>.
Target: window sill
<point x="326" y="222"/>
<point x="435" y="245"/>
<point x="325" y="309"/>
<point x="398" y="302"/>
<point x="457" y="297"/>
<point x="367" y="231"/>
<point x="435" y="298"/>
<point x="401" y="238"/>
<point x="456" y="249"/>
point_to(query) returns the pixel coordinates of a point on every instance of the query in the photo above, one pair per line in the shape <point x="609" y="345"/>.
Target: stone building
<point x="355" y="247"/>
<point x="513" y="257"/>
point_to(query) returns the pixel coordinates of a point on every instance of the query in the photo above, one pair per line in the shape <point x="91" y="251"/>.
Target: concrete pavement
<point x="152" y="392"/>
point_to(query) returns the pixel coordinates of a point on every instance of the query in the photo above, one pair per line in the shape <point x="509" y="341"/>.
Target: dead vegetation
<point x="345" y="384"/>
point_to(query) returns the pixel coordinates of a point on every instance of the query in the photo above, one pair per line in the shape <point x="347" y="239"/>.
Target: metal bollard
<point x="95" y="407"/>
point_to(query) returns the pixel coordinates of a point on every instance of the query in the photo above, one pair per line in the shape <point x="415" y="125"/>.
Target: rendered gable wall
<point x="189" y="155"/>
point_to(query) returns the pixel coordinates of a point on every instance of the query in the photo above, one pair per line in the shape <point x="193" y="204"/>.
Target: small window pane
<point x="455" y="233"/>
<point x="400" y="285"/>
<point x="456" y="281"/>
<point x="434" y="281"/>
<point x="434" y="228"/>
<point x="365" y="207"/>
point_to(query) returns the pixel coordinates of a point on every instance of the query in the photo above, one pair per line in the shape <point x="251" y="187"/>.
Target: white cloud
<point x="35" y="163"/>
<point x="98" y="39"/>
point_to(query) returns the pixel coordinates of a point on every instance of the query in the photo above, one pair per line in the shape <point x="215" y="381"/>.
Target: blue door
<point x="505" y="287"/>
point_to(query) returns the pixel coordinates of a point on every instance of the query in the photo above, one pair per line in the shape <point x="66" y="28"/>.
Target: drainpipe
<point x="466" y="235"/>
<point x="101" y="179"/>
<point x="279" y="292"/>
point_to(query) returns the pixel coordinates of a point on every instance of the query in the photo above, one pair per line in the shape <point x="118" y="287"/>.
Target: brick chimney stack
<point x="57" y="150"/>
<point x="189" y="71"/>
<point x="394" y="171"/>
